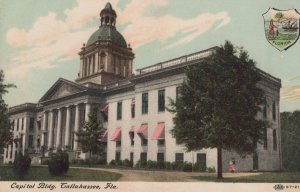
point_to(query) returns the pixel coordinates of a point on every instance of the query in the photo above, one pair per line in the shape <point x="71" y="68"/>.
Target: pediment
<point x="62" y="88"/>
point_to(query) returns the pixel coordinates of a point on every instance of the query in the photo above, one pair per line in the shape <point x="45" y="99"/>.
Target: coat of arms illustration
<point x="281" y="27"/>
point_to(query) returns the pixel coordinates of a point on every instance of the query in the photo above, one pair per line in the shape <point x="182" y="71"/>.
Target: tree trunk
<point x="90" y="159"/>
<point x="219" y="153"/>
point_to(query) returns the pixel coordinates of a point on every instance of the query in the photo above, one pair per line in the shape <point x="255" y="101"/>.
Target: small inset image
<point x="281" y="27"/>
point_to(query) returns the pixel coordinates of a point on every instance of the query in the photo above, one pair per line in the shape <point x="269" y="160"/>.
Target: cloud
<point x="52" y="40"/>
<point x="291" y="92"/>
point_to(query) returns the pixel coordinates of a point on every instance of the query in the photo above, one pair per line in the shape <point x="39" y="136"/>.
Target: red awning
<point x="116" y="136"/>
<point x="104" y="108"/>
<point x="159" y="132"/>
<point x="104" y="136"/>
<point x="143" y="131"/>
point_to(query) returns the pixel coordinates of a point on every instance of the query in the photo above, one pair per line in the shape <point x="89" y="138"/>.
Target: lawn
<point x="276" y="177"/>
<point x="42" y="174"/>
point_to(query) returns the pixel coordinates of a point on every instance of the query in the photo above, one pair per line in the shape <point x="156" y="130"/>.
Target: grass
<point x="275" y="177"/>
<point x="42" y="174"/>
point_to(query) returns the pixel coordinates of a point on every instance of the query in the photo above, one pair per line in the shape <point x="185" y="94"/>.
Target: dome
<point x="107" y="33"/>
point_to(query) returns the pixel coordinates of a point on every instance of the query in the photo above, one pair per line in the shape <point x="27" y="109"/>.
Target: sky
<point x="40" y="39"/>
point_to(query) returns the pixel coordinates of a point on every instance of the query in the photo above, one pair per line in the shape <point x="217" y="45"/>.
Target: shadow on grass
<point x="42" y="174"/>
<point x="276" y="177"/>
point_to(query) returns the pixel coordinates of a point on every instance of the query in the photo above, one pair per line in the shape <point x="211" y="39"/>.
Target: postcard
<point x="149" y="95"/>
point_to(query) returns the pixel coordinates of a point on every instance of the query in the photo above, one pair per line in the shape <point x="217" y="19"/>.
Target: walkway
<point x="163" y="176"/>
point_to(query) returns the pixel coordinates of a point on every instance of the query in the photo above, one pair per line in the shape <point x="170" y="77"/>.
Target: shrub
<point x="112" y="163"/>
<point x="141" y="164"/>
<point x="177" y="166"/>
<point x="199" y="167"/>
<point x="167" y="165"/>
<point x="21" y="165"/>
<point x="59" y="163"/>
<point x="187" y="167"/>
<point x="127" y="163"/>
<point x="160" y="165"/>
<point x="211" y="169"/>
<point x="119" y="163"/>
<point x="151" y="164"/>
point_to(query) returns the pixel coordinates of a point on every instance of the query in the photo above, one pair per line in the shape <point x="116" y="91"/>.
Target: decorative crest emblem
<point x="282" y="27"/>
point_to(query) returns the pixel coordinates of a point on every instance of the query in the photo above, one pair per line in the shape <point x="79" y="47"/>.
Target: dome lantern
<point x="108" y="16"/>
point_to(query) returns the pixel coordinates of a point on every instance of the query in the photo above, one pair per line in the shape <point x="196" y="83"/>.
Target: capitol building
<point x="130" y="106"/>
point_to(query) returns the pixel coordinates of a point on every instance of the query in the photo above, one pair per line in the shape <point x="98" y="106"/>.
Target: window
<point x="31" y="123"/>
<point x="143" y="157"/>
<point x="131" y="156"/>
<point x="133" y="108"/>
<point x="16" y="153"/>
<point x="131" y="135"/>
<point x="266" y="138"/>
<point x="119" y="111"/>
<point x="17" y="124"/>
<point x="38" y="143"/>
<point x="160" y="157"/>
<point x="30" y="141"/>
<point x="6" y="153"/>
<point x="161" y="142"/>
<point x="255" y="161"/>
<point x="274" y="110"/>
<point x="178" y="92"/>
<point x="265" y="109"/>
<point x="144" y="103"/>
<point x="161" y="100"/>
<point x="22" y="125"/>
<point x="118" y="156"/>
<point x="118" y="143"/>
<point x="274" y="140"/>
<point x="179" y="157"/>
<point x="144" y="142"/>
<point x="201" y="160"/>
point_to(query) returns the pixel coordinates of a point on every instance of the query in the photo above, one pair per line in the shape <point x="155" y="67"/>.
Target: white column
<point x="67" y="135"/>
<point x="76" y="125"/>
<point x="87" y="111"/>
<point x="50" y="135"/>
<point x="58" y="130"/>
<point x="43" y="128"/>
<point x="25" y="135"/>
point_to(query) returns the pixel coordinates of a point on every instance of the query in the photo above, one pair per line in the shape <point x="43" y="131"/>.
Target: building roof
<point x="107" y="33"/>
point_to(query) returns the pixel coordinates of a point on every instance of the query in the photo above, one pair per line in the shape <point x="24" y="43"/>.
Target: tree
<point x="89" y="137"/>
<point x="218" y="104"/>
<point x="290" y="138"/>
<point x="21" y="165"/>
<point x="5" y="132"/>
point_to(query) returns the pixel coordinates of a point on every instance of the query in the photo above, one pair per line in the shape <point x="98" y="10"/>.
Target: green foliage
<point x="218" y="104"/>
<point x="59" y="163"/>
<point x="5" y="131"/>
<point x="89" y="136"/>
<point x="290" y="138"/>
<point x="211" y="169"/>
<point x="199" y="167"/>
<point x="21" y="165"/>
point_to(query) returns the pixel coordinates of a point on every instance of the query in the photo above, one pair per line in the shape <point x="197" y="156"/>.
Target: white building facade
<point x="131" y="108"/>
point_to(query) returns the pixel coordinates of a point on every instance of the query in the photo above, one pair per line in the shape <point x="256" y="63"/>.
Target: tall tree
<point x="5" y="133"/>
<point x="218" y="104"/>
<point x="89" y="137"/>
<point x="290" y="138"/>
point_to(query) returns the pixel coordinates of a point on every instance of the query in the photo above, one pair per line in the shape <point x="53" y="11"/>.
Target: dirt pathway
<point x="163" y="176"/>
